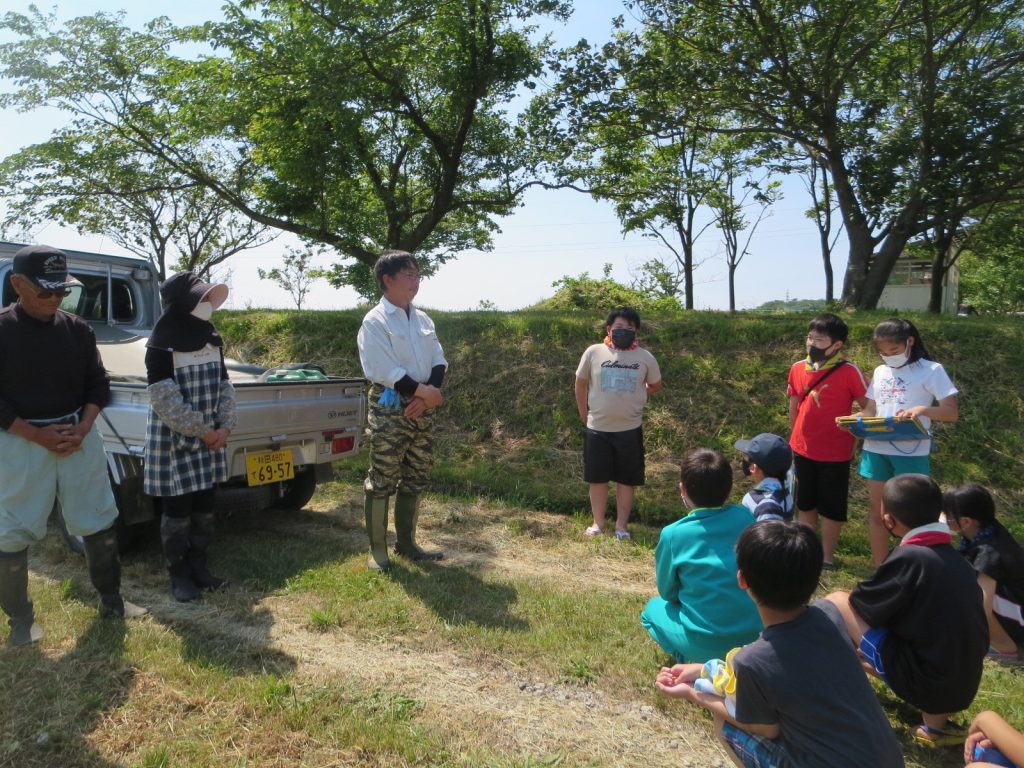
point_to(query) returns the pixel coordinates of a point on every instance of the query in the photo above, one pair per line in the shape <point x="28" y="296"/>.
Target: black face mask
<point x="818" y="355"/>
<point x="623" y="338"/>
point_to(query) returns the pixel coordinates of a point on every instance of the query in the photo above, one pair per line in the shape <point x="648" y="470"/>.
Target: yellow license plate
<point x="269" y="467"/>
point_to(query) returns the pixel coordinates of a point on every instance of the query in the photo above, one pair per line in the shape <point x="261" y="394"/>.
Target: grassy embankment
<point x="521" y="649"/>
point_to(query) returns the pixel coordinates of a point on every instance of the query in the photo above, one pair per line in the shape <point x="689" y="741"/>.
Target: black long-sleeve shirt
<point x="48" y="368"/>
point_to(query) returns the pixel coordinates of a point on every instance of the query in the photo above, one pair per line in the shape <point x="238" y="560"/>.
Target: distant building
<point x="910" y="285"/>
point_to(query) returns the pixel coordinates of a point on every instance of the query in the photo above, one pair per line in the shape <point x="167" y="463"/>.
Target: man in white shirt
<point x="403" y="359"/>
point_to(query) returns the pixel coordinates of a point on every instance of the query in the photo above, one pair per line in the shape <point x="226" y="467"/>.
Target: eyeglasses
<point x="410" y="274"/>
<point x="50" y="294"/>
<point x="41" y="294"/>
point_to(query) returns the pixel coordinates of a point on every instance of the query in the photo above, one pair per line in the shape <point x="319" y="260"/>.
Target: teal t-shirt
<point x="695" y="568"/>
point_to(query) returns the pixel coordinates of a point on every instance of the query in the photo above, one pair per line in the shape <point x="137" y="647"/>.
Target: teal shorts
<point x="32" y="478"/>
<point x="882" y="466"/>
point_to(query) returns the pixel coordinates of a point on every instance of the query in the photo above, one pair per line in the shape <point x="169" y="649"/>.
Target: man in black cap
<point x="52" y="388"/>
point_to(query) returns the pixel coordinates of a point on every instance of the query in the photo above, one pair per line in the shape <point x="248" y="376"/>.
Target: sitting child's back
<point x="804" y="675"/>
<point x="926" y="596"/>
<point x="699" y="614"/>
<point x="797" y="696"/>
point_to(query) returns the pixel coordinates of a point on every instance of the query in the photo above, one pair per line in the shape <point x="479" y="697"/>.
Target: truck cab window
<point x="89" y="300"/>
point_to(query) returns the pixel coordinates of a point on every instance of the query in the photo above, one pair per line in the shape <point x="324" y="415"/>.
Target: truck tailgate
<point x="305" y="417"/>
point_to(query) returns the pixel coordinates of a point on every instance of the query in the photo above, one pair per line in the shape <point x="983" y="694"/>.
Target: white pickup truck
<point x="292" y="421"/>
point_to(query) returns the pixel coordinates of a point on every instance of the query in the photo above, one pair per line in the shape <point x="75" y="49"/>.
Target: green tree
<point x="903" y="101"/>
<point x="296" y="273"/>
<point x="739" y="193"/>
<point x="815" y="175"/>
<point x="103" y="191"/>
<point x="603" y="131"/>
<point x="992" y="261"/>
<point x="362" y="126"/>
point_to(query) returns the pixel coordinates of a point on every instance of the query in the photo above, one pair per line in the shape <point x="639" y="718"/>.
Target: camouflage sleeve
<point x="166" y="400"/>
<point x="226" y="415"/>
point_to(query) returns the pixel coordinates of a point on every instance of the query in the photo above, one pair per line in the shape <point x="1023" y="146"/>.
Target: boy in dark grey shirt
<point x="801" y="695"/>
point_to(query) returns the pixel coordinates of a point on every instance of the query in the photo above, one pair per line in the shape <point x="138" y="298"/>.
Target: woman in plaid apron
<point x="192" y="412"/>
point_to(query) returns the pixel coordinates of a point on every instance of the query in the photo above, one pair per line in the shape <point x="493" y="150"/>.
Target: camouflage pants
<point x="401" y="449"/>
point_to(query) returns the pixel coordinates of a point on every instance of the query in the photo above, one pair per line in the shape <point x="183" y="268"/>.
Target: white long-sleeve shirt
<point x="393" y="344"/>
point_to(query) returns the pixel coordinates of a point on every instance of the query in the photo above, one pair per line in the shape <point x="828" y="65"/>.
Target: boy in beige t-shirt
<point x="613" y="381"/>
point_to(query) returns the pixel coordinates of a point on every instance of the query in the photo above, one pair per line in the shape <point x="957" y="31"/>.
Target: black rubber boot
<point x="198" y="544"/>
<point x="376" y="509"/>
<point x="104" y="564"/>
<point x="407" y="512"/>
<point x="14" y="599"/>
<point x="174" y="536"/>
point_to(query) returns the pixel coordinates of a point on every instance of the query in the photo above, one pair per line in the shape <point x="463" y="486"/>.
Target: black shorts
<point x="614" y="456"/>
<point x="823" y="486"/>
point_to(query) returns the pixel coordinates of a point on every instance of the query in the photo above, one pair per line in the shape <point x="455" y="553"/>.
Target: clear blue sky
<point x="554" y="233"/>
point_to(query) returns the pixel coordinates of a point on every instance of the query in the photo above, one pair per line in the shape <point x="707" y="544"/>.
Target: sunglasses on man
<point x="41" y="294"/>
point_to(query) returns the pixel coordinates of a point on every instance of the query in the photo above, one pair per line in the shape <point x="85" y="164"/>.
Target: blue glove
<point x="389" y="399"/>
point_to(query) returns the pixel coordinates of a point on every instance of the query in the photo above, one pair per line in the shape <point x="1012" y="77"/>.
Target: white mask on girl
<point x="897" y="361"/>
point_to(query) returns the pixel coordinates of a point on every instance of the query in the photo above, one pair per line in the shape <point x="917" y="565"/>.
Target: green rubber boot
<point x="407" y="512"/>
<point x="376" y="508"/>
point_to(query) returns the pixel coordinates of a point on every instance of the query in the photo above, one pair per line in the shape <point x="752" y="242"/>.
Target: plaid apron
<point x="177" y="464"/>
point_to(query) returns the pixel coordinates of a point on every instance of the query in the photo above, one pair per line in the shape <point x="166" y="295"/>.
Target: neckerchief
<point x="608" y="343"/>
<point x="832" y="362"/>
<point x="928" y="535"/>
<point x="983" y="534"/>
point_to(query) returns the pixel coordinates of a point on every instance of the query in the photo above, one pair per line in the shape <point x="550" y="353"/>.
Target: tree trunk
<point x="826" y="258"/>
<point x="688" y="272"/>
<point x="732" y="287"/>
<point x="941" y="247"/>
<point x="938" y="278"/>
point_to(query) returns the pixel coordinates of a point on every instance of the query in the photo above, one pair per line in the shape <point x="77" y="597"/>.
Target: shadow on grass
<point x="49" y="707"/>
<point x="260" y="553"/>
<point x="458" y="596"/>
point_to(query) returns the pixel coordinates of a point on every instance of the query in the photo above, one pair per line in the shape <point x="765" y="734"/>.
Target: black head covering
<point x="178" y="330"/>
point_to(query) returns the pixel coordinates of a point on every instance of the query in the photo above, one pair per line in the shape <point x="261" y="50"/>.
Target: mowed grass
<point x="523" y="647"/>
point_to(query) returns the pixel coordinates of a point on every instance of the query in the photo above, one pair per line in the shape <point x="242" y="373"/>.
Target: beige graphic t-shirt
<point x="616" y="393"/>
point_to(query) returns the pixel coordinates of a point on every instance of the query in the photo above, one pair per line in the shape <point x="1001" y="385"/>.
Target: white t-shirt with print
<point x="616" y="392"/>
<point x="922" y="382"/>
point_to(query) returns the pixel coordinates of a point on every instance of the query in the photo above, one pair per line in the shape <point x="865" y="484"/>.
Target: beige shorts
<point x="31" y="478"/>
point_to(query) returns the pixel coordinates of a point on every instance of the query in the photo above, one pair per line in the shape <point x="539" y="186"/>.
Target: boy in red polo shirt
<point x="821" y="387"/>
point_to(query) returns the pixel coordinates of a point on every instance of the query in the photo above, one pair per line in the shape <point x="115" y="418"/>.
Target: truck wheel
<point x="296" y="493"/>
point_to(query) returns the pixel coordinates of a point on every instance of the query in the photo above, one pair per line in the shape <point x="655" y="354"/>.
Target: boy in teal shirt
<point x="699" y="613"/>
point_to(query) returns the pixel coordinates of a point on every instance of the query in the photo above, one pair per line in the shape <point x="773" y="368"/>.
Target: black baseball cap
<point x="770" y="452"/>
<point x="44" y="266"/>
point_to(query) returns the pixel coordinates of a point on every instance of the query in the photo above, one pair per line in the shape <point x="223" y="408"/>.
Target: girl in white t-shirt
<point x="908" y="384"/>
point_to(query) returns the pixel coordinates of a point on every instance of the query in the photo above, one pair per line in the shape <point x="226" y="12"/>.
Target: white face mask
<point x="203" y="310"/>
<point x="897" y="361"/>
